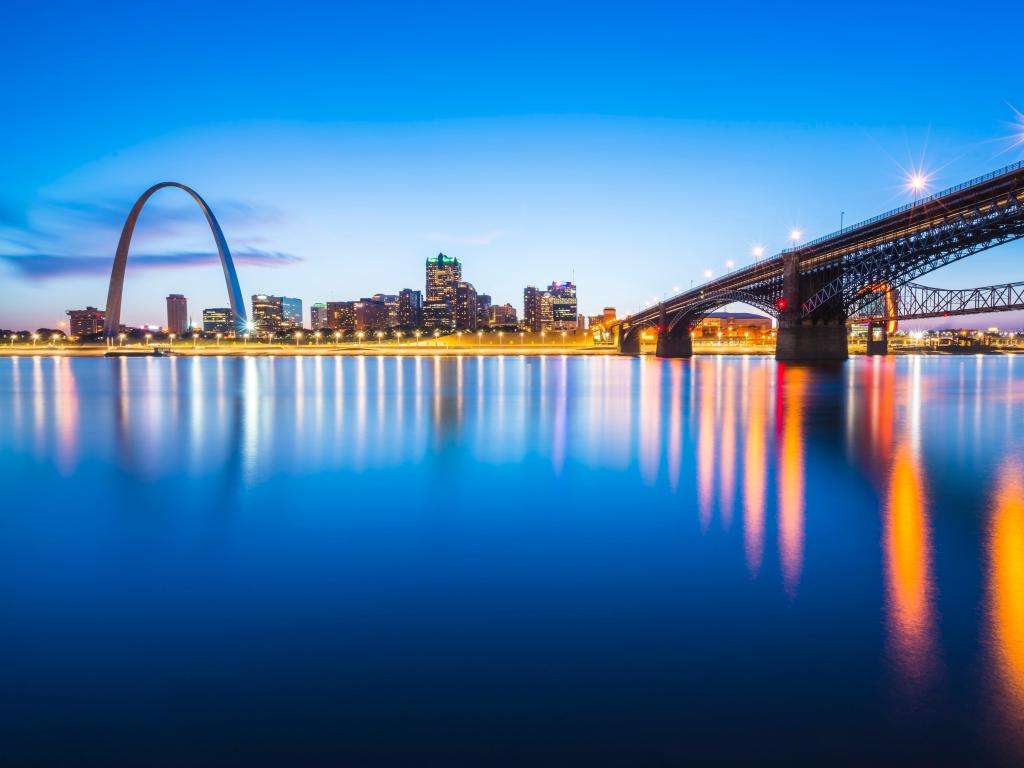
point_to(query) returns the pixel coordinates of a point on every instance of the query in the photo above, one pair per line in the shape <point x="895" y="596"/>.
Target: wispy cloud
<point x="447" y="238"/>
<point x="40" y="267"/>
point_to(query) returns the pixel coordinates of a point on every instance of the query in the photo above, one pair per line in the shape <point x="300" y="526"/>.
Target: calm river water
<point x="512" y="560"/>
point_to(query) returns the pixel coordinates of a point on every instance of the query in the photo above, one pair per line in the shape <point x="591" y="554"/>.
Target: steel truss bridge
<point x="814" y="288"/>
<point x="914" y="302"/>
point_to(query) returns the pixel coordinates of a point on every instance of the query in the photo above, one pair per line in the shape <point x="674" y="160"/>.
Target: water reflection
<point x="1006" y="595"/>
<point x="755" y="466"/>
<point x="792" y="394"/>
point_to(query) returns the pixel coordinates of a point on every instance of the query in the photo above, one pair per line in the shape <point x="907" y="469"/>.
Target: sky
<point x="629" y="147"/>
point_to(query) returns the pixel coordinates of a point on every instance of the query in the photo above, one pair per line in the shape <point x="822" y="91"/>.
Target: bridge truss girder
<point x="898" y="261"/>
<point x="914" y="301"/>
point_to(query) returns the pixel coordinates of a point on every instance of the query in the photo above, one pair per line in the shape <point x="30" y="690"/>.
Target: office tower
<point x="466" y="318"/>
<point x="531" y="308"/>
<point x="267" y="313"/>
<point x="391" y="302"/>
<point x="483" y="310"/>
<point x="444" y="273"/>
<point x="217" y="320"/>
<point x="318" y="316"/>
<point x="609" y="314"/>
<point x="503" y="314"/>
<point x="177" y="314"/>
<point x="370" y="315"/>
<point x="410" y="308"/>
<point x="341" y="315"/>
<point x="291" y="312"/>
<point x="546" y="305"/>
<point x="85" y="322"/>
<point x="564" y="316"/>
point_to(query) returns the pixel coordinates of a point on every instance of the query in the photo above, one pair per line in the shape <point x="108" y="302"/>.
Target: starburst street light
<point x="707" y="274"/>
<point x="757" y="251"/>
<point x="795" y="235"/>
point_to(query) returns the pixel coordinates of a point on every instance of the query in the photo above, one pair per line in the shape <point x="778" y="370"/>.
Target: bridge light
<point x="707" y="274"/>
<point x="781" y="305"/>
<point x="757" y="251"/>
<point x="917" y="182"/>
<point x="675" y="289"/>
<point x="795" y="235"/>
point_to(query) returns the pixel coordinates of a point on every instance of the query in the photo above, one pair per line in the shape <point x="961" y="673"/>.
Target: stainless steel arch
<point x="113" y="316"/>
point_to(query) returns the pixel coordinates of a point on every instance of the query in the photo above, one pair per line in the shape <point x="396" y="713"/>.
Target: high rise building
<point x="318" y="316"/>
<point x="564" y="316"/>
<point x="546" y="311"/>
<point x="85" y="322"/>
<point x="466" y="317"/>
<point x="177" y="314"/>
<point x="444" y="273"/>
<point x="291" y="312"/>
<point x="483" y="310"/>
<point x="531" y="308"/>
<point x="609" y="314"/>
<point x="410" y="308"/>
<point x="341" y="315"/>
<point x="267" y="313"/>
<point x="503" y="314"/>
<point x="217" y="320"/>
<point x="370" y="315"/>
<point x="391" y="302"/>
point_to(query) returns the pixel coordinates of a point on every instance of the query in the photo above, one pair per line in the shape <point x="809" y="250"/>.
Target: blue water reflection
<point x="468" y="560"/>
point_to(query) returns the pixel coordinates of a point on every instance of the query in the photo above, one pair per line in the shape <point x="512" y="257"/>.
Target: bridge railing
<point x="903" y="208"/>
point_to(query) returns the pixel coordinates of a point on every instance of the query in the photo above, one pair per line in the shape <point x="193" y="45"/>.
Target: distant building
<point x="85" y="322"/>
<point x="466" y="318"/>
<point x="267" y="313"/>
<point x="531" y="308"/>
<point x="503" y="314"/>
<point x="291" y="312"/>
<point x="483" y="310"/>
<point x="609" y="314"/>
<point x="318" y="316"/>
<point x="217" y="320"/>
<point x="370" y="315"/>
<point x="391" y="302"/>
<point x="410" y="308"/>
<point x="177" y="314"/>
<point x="734" y="325"/>
<point x="444" y="273"/>
<point x="564" y="316"/>
<point x="546" y="305"/>
<point x="341" y="315"/>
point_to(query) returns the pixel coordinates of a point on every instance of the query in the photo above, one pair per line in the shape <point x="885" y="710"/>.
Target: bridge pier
<point x="629" y="343"/>
<point x="811" y="343"/>
<point x="878" y="339"/>
<point x="674" y="346"/>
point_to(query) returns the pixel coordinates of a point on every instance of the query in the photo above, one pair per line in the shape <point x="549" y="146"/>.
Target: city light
<point x="795" y="235"/>
<point x="757" y="251"/>
<point x="707" y="274"/>
<point x="917" y="182"/>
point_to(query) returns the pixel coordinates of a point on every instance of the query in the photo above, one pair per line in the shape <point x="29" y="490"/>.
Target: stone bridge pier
<point x="801" y="340"/>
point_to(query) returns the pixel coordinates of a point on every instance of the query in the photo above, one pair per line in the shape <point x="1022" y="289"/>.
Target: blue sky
<point x="630" y="147"/>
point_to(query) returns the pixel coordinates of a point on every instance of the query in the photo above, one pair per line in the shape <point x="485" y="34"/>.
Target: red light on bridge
<point x="657" y="328"/>
<point x="781" y="305"/>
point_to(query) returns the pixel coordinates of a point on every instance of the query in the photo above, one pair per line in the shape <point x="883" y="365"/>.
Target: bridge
<point x="815" y="288"/>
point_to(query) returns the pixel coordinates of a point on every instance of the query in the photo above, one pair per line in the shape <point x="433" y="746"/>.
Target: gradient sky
<point x="628" y="146"/>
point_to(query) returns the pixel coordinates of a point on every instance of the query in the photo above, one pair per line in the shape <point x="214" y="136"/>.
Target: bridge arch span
<point x="112" y="323"/>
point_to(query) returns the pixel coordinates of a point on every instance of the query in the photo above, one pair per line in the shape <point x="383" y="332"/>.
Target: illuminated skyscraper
<point x="466" y="317"/>
<point x="370" y="315"/>
<point x="483" y="310"/>
<point x="318" y="316"/>
<point x="546" y="305"/>
<point x="341" y="315"/>
<point x="217" y="320"/>
<point x="564" y="316"/>
<point x="444" y="273"/>
<point x="410" y="308"/>
<point x="177" y="314"/>
<point x="531" y="308"/>
<point x="267" y="314"/>
<point x="503" y="314"/>
<point x="291" y="312"/>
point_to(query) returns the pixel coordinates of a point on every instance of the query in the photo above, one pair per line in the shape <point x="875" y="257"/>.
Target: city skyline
<point x="625" y="190"/>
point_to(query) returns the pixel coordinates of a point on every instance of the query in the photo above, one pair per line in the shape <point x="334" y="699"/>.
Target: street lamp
<point x="459" y="334"/>
<point x="398" y="338"/>
<point x="170" y="339"/>
<point x="479" y="337"/>
<point x="316" y="337"/>
<point x="35" y="338"/>
<point x="795" y="235"/>
<point x="360" y="335"/>
<point x="542" y="335"/>
<point x="120" y="339"/>
<point x="757" y="251"/>
<point x="218" y="338"/>
<point x="521" y="334"/>
<point x="563" y="338"/>
<point x="707" y="274"/>
<point x="418" y="333"/>
<point x="917" y="183"/>
<point x="380" y="335"/>
<point x="501" y="335"/>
